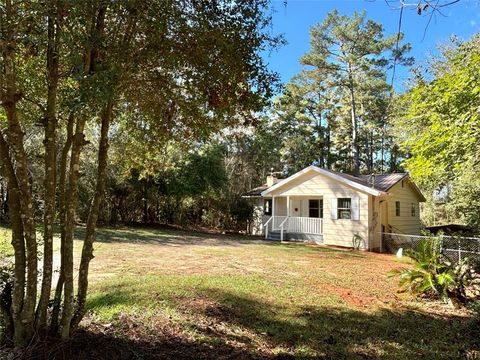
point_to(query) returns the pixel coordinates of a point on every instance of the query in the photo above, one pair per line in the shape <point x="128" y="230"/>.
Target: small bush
<point x="433" y="275"/>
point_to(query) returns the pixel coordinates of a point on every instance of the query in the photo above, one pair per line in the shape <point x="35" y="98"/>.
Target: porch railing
<point x="305" y="225"/>
<point x="277" y="221"/>
<point x="284" y="224"/>
<point x="267" y="227"/>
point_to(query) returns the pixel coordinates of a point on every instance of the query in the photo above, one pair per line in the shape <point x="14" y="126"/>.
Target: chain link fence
<point x="454" y="248"/>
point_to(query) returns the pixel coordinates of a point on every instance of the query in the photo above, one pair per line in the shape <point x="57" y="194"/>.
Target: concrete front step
<point x="274" y="235"/>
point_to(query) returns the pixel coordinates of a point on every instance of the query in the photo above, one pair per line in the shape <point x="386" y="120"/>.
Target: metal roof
<point x="383" y="182"/>
<point x="256" y="192"/>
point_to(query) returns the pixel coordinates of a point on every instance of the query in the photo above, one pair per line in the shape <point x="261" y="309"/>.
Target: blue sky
<point x="295" y="19"/>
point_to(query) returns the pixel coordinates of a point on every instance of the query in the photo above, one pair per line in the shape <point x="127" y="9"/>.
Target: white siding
<point x="336" y="231"/>
<point x="375" y="226"/>
<point x="280" y="206"/>
<point x="405" y="223"/>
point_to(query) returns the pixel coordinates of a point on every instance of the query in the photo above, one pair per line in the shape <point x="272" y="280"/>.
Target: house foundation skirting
<point x="318" y="239"/>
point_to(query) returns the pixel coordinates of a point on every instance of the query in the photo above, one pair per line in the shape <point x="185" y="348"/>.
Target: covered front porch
<point x="293" y="218"/>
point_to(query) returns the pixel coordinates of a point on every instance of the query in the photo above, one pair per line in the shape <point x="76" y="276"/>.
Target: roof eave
<point x="350" y="183"/>
<point x="251" y="196"/>
<point x="414" y="186"/>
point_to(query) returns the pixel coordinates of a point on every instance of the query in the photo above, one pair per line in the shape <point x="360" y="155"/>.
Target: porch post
<point x="273" y="208"/>
<point x="288" y="205"/>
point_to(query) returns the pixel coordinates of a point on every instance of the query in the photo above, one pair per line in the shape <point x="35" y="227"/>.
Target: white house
<point x="333" y="208"/>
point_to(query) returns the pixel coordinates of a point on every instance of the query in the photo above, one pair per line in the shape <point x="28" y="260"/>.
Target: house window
<point x="397" y="208"/>
<point x="414" y="210"/>
<point x="344" y="208"/>
<point x="267" y="207"/>
<point x="315" y="208"/>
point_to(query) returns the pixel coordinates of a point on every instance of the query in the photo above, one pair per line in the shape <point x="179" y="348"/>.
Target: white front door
<point x="295" y="208"/>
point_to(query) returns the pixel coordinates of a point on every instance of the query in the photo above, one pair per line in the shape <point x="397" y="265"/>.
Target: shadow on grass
<point x="304" y="332"/>
<point x="90" y="345"/>
<point x="175" y="237"/>
<point x="167" y="236"/>
<point x="342" y="333"/>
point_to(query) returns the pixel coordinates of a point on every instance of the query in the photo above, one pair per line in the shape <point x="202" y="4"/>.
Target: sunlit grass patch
<point x="6" y="248"/>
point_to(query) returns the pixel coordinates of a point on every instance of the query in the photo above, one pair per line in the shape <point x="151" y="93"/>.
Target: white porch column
<point x="273" y="207"/>
<point x="288" y="205"/>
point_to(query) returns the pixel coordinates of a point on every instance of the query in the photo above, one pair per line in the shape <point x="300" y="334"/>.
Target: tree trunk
<point x="96" y="30"/>
<point x="26" y="213"/>
<point x="54" y="13"/>
<point x="15" y="138"/>
<point x="369" y="153"/>
<point x="90" y="233"/>
<point x="353" y="112"/>
<point x="71" y="204"/>
<point x="18" y="241"/>
<point x="61" y="204"/>
<point x="145" y="202"/>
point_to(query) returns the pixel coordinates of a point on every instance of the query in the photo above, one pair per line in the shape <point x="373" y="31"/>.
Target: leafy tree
<point x="179" y="69"/>
<point x="304" y="118"/>
<point x="438" y="128"/>
<point x="342" y="92"/>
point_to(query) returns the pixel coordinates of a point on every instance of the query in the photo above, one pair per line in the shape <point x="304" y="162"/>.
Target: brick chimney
<point x="271" y="180"/>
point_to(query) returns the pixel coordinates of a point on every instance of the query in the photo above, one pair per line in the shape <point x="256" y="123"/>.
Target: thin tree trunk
<point x="90" y="234"/>
<point x="383" y="151"/>
<point x="18" y="240"/>
<point x="61" y="205"/>
<point x="71" y="204"/>
<point x="369" y="153"/>
<point x="50" y="159"/>
<point x="15" y="134"/>
<point x="91" y="56"/>
<point x="353" y="111"/>
<point x="145" y="202"/>
<point x="26" y="207"/>
<point x="16" y="139"/>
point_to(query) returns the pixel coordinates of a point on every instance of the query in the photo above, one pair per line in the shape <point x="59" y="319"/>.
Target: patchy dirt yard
<point x="166" y="294"/>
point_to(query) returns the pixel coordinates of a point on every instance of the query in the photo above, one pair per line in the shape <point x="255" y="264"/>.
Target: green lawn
<point x="173" y="294"/>
<point x="266" y="299"/>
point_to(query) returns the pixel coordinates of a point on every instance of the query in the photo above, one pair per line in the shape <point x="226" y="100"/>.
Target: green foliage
<point x="430" y="274"/>
<point x="203" y="172"/>
<point x="6" y="248"/>
<point x="438" y="127"/>
<point x="196" y="188"/>
<point x="433" y="274"/>
<point x="344" y="76"/>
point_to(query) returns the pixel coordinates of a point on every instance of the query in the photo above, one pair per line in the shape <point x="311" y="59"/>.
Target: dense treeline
<point x="431" y="130"/>
<point x="334" y="114"/>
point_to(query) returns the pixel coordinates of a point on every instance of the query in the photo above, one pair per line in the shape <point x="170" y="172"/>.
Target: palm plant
<point x="434" y="274"/>
<point x="431" y="272"/>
